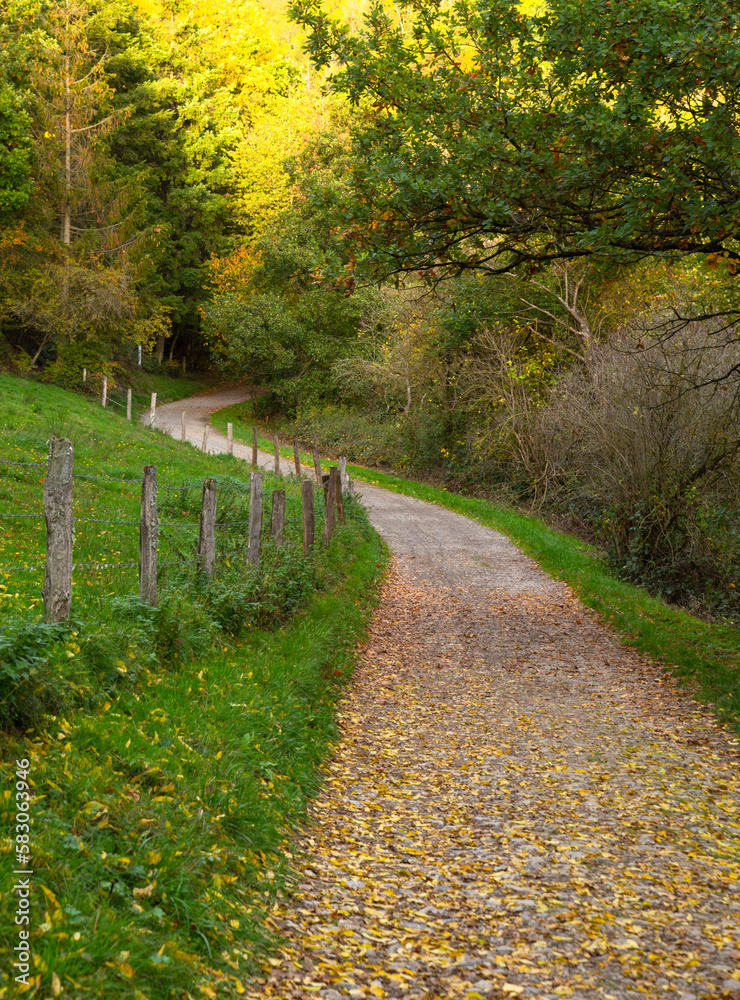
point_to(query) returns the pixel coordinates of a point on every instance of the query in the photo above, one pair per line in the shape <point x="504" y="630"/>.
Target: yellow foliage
<point x="232" y="275"/>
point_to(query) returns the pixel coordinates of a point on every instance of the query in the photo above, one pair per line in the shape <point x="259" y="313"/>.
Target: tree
<point x="271" y="320"/>
<point x="16" y="182"/>
<point x="491" y="140"/>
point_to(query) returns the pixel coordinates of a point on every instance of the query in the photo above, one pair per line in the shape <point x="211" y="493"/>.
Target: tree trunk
<point x="67" y="211"/>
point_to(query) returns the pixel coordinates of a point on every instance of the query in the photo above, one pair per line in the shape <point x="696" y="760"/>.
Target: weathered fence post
<point x="334" y="471"/>
<point x="183" y="426"/>
<point x="128" y="403"/>
<point x="296" y="458"/>
<point x="104" y="400"/>
<point x="152" y="409"/>
<point x="343" y="480"/>
<point x="84" y="374"/>
<point x="277" y="524"/>
<point x="331" y="500"/>
<point x="148" y="537"/>
<point x="229" y="439"/>
<point x="207" y="539"/>
<point x="57" y="590"/>
<point x="317" y="463"/>
<point x="254" y="447"/>
<point x="276" y="454"/>
<point x="255" y="518"/>
<point x="206" y="429"/>
<point x="309" y="518"/>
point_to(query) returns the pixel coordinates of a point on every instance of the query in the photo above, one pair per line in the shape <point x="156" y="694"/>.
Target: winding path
<point x="519" y="805"/>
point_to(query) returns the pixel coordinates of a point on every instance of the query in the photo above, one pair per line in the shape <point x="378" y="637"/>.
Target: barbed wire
<point x="21" y="569"/>
<point x="134" y="524"/>
<point x="102" y="520"/>
<point x="6" y="461"/>
<point x="186" y="486"/>
<point x="102" y="479"/>
<point x="103" y="565"/>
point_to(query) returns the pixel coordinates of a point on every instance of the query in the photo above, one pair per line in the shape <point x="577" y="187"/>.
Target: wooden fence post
<point x="309" y="518"/>
<point x="334" y="471"/>
<point x="278" y="516"/>
<point x="129" y="394"/>
<point x="343" y="471"/>
<point x="104" y="400"/>
<point x="57" y="590"/>
<point x="296" y="458"/>
<point x="207" y="539"/>
<point x="152" y="409"/>
<point x="206" y="429"/>
<point x="317" y="463"/>
<point x="331" y="500"/>
<point x="255" y="518"/>
<point x="84" y="374"/>
<point x="148" y="537"/>
<point x="183" y="426"/>
<point x="254" y="447"/>
<point x="229" y="439"/>
<point x="276" y="454"/>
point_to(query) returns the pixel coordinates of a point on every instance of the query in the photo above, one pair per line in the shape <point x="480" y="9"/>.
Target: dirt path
<point x="519" y="805"/>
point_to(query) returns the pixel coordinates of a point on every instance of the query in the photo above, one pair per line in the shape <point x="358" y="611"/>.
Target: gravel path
<point x="519" y="806"/>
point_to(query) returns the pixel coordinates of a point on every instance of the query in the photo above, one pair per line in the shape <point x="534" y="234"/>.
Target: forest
<point x="490" y="244"/>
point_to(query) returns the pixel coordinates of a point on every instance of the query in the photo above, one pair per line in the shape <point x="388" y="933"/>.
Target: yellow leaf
<point x="512" y="989"/>
<point x="127" y="970"/>
<point x="154" y="857"/>
<point x="145" y="891"/>
<point x="56" y="986"/>
<point x="50" y="896"/>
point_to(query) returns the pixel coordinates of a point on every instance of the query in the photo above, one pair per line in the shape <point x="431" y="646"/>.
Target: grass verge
<point x="168" y="776"/>
<point x="705" y="656"/>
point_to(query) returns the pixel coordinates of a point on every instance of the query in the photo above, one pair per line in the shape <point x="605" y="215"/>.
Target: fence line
<point x="5" y="461"/>
<point x="60" y="519"/>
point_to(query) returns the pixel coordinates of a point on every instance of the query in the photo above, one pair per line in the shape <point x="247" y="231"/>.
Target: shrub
<point x="33" y="680"/>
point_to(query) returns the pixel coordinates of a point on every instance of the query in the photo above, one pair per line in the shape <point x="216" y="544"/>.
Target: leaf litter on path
<point x="519" y="807"/>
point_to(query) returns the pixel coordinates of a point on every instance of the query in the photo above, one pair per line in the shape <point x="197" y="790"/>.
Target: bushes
<point x="638" y="444"/>
<point x="33" y="678"/>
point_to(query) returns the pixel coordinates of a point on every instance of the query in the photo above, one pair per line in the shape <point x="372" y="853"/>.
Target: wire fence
<point x="176" y="528"/>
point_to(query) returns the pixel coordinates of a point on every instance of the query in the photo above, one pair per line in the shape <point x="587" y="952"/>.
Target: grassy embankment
<point x="172" y="749"/>
<point x="143" y="383"/>
<point x="705" y="656"/>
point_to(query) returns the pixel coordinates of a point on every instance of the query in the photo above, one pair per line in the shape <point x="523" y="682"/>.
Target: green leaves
<point x="485" y="139"/>
<point x="15" y="156"/>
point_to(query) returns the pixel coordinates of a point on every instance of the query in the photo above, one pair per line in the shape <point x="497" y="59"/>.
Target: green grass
<point x="174" y="747"/>
<point x="705" y="656"/>
<point x="167" y="387"/>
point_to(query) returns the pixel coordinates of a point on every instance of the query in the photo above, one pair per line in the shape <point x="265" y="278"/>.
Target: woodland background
<point x="489" y="244"/>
